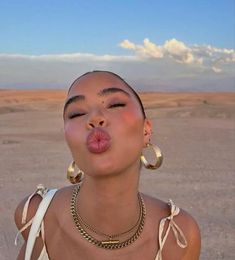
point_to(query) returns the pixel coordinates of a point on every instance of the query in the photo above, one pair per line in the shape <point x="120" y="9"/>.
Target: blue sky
<point x="178" y="37"/>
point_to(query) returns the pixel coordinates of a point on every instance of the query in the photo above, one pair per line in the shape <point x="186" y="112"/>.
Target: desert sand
<point x="196" y="132"/>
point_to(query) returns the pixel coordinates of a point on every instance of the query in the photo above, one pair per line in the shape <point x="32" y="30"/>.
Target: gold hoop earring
<point x="72" y="177"/>
<point x="159" y="157"/>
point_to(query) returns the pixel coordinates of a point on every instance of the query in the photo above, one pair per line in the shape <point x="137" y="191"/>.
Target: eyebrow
<point x="103" y="92"/>
<point x="73" y="99"/>
<point x="107" y="91"/>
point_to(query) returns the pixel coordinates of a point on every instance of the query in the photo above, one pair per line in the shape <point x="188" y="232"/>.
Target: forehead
<point x="94" y="82"/>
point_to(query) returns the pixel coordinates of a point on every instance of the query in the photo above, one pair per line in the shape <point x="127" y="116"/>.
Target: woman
<point x="106" y="217"/>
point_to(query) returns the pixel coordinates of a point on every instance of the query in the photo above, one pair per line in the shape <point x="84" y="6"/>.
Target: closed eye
<point x="76" y="115"/>
<point x="117" y="105"/>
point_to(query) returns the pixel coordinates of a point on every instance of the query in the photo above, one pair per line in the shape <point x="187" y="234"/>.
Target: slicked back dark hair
<point x="117" y="76"/>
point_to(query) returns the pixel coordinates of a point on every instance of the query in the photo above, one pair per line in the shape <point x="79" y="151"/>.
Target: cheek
<point x="132" y="117"/>
<point x="133" y="123"/>
<point x="130" y="138"/>
<point x="72" y="134"/>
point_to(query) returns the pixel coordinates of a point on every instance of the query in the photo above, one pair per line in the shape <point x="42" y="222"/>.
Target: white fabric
<point x="36" y="225"/>
<point x="179" y="235"/>
<point x="41" y="191"/>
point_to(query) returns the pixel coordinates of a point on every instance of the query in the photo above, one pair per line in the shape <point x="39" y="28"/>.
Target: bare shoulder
<point x="159" y="209"/>
<point x="64" y="192"/>
<point x="33" y="205"/>
<point x="192" y="233"/>
<point x="61" y="198"/>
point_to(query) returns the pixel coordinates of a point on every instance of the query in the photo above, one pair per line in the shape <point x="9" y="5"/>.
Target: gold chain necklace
<point x="110" y="237"/>
<point x="107" y="244"/>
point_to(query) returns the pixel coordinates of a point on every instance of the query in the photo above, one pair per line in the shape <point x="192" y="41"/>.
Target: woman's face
<point x="104" y="125"/>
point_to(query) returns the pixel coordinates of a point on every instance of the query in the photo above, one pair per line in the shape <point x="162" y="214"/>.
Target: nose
<point x="96" y="119"/>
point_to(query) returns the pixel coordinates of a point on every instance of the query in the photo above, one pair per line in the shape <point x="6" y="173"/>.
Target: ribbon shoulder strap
<point x="43" y="206"/>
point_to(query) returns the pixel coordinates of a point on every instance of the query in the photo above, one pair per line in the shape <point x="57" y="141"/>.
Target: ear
<point x="147" y="131"/>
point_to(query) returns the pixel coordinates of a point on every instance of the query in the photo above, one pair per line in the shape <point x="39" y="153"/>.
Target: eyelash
<point x="110" y="106"/>
<point x="76" y="115"/>
<point x="117" y="105"/>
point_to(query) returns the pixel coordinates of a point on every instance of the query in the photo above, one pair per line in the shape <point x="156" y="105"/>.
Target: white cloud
<point x="174" y="65"/>
<point x="149" y="49"/>
<point x="181" y="53"/>
<point x="204" y="55"/>
<point x="127" y="45"/>
<point x="175" y="47"/>
<point x="152" y="49"/>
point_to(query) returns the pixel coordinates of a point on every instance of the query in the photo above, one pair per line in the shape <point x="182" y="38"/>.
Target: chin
<point x="104" y="170"/>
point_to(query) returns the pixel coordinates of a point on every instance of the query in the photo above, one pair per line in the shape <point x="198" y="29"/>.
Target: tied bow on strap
<point x="179" y="236"/>
<point x="41" y="191"/>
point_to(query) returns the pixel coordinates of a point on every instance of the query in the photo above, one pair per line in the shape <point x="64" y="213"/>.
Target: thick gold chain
<point x="107" y="244"/>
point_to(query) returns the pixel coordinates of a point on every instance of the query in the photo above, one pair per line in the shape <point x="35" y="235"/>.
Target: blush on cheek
<point x="133" y="127"/>
<point x="132" y="119"/>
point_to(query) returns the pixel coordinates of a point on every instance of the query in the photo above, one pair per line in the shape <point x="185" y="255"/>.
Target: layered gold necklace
<point x="112" y="242"/>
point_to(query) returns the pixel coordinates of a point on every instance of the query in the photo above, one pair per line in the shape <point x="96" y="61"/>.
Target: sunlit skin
<point x="108" y="196"/>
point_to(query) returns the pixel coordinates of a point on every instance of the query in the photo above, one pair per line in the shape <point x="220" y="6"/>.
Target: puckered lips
<point x="98" y="141"/>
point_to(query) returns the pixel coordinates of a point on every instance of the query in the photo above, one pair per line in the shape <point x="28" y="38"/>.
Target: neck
<point x="110" y="204"/>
